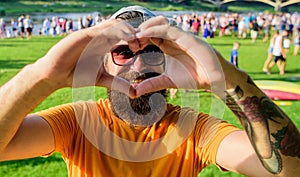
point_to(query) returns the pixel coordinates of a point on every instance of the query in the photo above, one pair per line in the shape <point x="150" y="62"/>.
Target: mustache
<point x="133" y="76"/>
<point x="137" y="108"/>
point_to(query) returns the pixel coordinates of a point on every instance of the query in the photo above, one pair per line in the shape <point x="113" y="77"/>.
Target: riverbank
<point x="11" y="8"/>
<point x="106" y="7"/>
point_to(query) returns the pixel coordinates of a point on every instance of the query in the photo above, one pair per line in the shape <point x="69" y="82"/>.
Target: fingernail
<point x="138" y="34"/>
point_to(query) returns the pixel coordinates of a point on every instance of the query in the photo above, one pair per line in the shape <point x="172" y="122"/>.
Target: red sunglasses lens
<point x="123" y="56"/>
<point x="122" y="52"/>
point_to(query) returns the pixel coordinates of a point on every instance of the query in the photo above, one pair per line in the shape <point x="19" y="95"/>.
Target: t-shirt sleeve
<point x="63" y="124"/>
<point x="234" y="53"/>
<point x="209" y="133"/>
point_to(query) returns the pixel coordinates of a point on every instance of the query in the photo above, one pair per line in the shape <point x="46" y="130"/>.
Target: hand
<point x="77" y="60"/>
<point x="192" y="63"/>
<point x="284" y="55"/>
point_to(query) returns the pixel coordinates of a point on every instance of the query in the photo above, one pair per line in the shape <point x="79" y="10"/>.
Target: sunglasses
<point x="123" y="56"/>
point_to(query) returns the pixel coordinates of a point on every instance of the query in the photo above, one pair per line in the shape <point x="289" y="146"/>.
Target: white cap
<point x="146" y="15"/>
<point x="146" y="12"/>
<point x="135" y="22"/>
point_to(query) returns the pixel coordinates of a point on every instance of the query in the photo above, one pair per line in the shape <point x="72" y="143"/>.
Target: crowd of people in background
<point x="206" y="25"/>
<point x="22" y="27"/>
<point x="266" y="26"/>
<point x="61" y="26"/>
<point x="250" y="25"/>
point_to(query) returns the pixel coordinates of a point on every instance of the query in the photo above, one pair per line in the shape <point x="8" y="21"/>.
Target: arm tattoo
<point x="251" y="115"/>
<point x="287" y="140"/>
<point x="269" y="129"/>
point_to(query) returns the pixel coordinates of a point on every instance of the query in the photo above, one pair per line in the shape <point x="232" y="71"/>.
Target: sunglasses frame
<point x="133" y="58"/>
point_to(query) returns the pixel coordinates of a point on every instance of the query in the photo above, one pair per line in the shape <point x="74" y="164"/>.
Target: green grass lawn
<point x="16" y="53"/>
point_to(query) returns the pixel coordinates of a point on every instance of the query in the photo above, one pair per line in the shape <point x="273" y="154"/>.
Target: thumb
<point x="116" y="83"/>
<point x="154" y="84"/>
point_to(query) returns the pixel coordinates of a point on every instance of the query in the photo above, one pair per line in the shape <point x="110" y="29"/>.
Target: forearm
<point x="273" y="135"/>
<point x="235" y="60"/>
<point x="18" y="97"/>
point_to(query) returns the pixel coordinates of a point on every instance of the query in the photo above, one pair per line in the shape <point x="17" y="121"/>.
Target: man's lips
<point x="135" y="78"/>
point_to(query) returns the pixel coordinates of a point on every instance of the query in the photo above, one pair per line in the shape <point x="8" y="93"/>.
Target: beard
<point x="142" y="111"/>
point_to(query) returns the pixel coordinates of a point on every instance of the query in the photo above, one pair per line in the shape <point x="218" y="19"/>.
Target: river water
<point x="38" y="18"/>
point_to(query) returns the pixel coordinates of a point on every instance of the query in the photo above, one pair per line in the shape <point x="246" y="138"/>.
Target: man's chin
<point x="143" y="111"/>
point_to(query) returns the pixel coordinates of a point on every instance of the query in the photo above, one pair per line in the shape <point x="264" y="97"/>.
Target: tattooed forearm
<point x="252" y="116"/>
<point x="272" y="134"/>
<point x="287" y="140"/>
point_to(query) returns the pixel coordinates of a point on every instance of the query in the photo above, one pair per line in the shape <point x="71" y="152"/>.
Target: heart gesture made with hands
<point x="78" y="60"/>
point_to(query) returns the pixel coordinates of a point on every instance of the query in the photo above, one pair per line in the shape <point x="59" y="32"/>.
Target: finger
<point x="154" y="21"/>
<point x="134" y="45"/>
<point x="144" y="42"/>
<point x="156" y="41"/>
<point x="120" y="31"/>
<point x="155" y="30"/>
<point x="154" y="84"/>
<point x="168" y="47"/>
<point x="104" y="37"/>
<point x="116" y="83"/>
<point x="113" y="27"/>
<point x="159" y="27"/>
<point x="159" y="31"/>
<point x="165" y="37"/>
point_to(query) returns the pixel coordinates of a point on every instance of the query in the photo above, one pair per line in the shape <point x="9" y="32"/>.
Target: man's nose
<point x="138" y="64"/>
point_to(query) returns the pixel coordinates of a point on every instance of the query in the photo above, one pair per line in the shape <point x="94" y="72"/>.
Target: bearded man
<point x="135" y="132"/>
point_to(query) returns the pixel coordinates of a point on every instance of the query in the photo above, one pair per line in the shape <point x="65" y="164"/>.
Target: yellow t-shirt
<point x="95" y="143"/>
